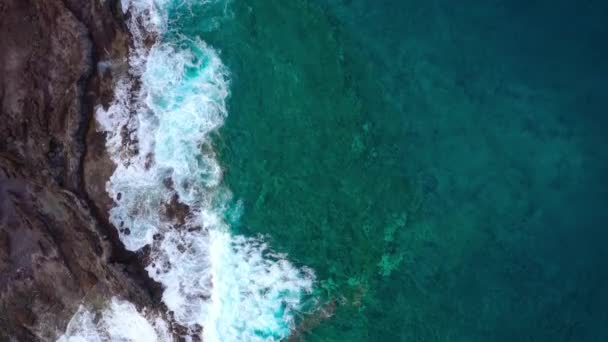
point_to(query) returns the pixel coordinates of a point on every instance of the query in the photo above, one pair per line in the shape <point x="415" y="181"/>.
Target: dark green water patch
<point x="442" y="174"/>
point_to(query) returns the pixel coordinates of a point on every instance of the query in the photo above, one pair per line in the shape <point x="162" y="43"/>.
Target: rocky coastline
<point x="57" y="248"/>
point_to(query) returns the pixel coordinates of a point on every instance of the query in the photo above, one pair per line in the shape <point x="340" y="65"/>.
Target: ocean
<point x="358" y="170"/>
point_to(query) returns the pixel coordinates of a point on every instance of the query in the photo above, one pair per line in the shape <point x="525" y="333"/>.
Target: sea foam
<point x="119" y="321"/>
<point x="168" y="192"/>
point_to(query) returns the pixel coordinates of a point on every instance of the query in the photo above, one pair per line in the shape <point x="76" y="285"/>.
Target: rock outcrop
<point x="56" y="246"/>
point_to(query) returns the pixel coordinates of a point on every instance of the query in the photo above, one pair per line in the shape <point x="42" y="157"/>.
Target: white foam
<point x="232" y="286"/>
<point x="119" y="321"/>
<point x="257" y="294"/>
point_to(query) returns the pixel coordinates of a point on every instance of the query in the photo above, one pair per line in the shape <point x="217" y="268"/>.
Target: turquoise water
<point x="170" y="198"/>
<point x="442" y="167"/>
<point x="357" y="170"/>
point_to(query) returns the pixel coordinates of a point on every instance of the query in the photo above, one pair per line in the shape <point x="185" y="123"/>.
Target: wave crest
<point x="167" y="185"/>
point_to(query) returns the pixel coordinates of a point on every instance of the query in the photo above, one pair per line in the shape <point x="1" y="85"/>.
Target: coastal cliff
<point x="57" y="248"/>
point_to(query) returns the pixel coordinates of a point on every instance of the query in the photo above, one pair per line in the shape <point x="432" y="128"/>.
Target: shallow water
<point x="360" y="170"/>
<point x="441" y="167"/>
<point x="168" y="190"/>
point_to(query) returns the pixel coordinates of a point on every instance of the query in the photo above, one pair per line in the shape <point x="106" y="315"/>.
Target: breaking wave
<point x="168" y="191"/>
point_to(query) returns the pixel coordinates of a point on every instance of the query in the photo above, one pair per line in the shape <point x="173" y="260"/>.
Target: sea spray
<point x="119" y="321"/>
<point x="168" y="192"/>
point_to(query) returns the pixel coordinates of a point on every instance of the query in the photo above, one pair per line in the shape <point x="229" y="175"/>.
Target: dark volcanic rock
<point x="56" y="247"/>
<point x="53" y="254"/>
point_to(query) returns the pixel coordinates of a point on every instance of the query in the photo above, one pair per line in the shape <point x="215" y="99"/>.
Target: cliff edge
<point x="57" y="248"/>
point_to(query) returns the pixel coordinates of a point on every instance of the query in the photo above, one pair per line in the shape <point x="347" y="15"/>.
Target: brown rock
<point x="53" y="254"/>
<point x="57" y="249"/>
<point x="176" y="211"/>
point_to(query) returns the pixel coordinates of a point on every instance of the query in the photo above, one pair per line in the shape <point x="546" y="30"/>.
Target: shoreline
<point x="58" y="248"/>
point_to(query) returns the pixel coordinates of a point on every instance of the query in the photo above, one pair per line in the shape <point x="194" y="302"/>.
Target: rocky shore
<point x="57" y="249"/>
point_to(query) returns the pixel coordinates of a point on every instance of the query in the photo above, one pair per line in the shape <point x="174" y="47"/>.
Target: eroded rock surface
<point x="56" y="247"/>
